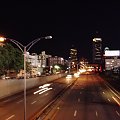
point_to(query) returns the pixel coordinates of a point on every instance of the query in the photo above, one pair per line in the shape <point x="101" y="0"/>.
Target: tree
<point x="18" y="60"/>
<point x="28" y="67"/>
<point x="3" y="60"/>
<point x="10" y="59"/>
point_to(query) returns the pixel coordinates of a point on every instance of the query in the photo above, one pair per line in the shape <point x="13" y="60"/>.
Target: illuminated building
<point x="55" y="60"/>
<point x="41" y="61"/>
<point x="73" y="57"/>
<point x="112" y="59"/>
<point x="97" y="50"/>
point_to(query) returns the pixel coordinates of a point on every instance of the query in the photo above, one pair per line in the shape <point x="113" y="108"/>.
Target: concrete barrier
<point x="13" y="86"/>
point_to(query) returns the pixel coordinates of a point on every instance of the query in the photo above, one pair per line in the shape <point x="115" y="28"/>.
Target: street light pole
<point x="77" y="67"/>
<point x="69" y="60"/>
<point x="25" y="83"/>
<point x="24" y="50"/>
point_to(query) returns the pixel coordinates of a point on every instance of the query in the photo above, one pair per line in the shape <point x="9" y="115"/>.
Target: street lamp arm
<point x="15" y="41"/>
<point x="18" y="44"/>
<point x="35" y="41"/>
<point x="32" y="43"/>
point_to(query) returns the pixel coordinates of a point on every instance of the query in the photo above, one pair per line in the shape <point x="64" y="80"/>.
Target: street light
<point x="69" y="60"/>
<point x="24" y="50"/>
<point x="2" y="39"/>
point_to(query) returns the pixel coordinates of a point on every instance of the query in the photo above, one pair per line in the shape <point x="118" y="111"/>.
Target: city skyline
<point x="70" y="23"/>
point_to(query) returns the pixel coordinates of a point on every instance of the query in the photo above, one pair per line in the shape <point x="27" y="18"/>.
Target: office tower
<point x="97" y="50"/>
<point x="73" y="57"/>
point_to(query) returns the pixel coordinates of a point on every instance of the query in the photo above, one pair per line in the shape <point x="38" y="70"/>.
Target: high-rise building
<point x="97" y="50"/>
<point x="73" y="57"/>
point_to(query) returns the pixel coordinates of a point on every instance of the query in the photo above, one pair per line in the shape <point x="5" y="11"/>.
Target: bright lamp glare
<point x="48" y="37"/>
<point x="57" y="67"/>
<point x="2" y="39"/>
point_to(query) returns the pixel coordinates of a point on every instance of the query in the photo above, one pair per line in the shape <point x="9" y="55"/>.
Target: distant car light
<point x="76" y="74"/>
<point x="69" y="76"/>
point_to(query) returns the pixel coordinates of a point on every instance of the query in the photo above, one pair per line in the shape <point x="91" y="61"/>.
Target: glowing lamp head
<point x="48" y="37"/>
<point x="2" y="39"/>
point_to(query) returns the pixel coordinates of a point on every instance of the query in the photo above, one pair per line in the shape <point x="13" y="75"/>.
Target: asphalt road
<point x="90" y="98"/>
<point x="12" y="108"/>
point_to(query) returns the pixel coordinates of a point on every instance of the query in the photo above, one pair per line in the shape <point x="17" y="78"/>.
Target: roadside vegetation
<point x="11" y="58"/>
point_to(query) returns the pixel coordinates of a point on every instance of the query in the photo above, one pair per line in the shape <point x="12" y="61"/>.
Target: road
<point x="12" y="108"/>
<point x="90" y="98"/>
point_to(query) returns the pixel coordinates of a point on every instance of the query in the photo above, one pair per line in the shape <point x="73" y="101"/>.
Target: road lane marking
<point x="53" y="114"/>
<point x="114" y="93"/>
<point x="20" y="101"/>
<point x="6" y="100"/>
<point x="80" y="92"/>
<point x="10" y="99"/>
<point x="103" y="92"/>
<point x="96" y="114"/>
<point x="68" y="92"/>
<point x="10" y="117"/>
<point x="116" y="100"/>
<point x="46" y="94"/>
<point x="78" y="99"/>
<point x="118" y="113"/>
<point x="109" y="100"/>
<point x="33" y="102"/>
<point x="75" y="113"/>
<point x="109" y="87"/>
<point x="100" y="88"/>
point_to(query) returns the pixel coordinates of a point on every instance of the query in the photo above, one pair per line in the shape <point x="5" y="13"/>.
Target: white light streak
<point x="20" y="101"/>
<point x="118" y="113"/>
<point x="45" y="90"/>
<point x="78" y="99"/>
<point x="96" y="114"/>
<point x="10" y="117"/>
<point x="116" y="101"/>
<point x="33" y="102"/>
<point x="40" y="90"/>
<point x="45" y="85"/>
<point x="103" y="92"/>
<point x="75" y="113"/>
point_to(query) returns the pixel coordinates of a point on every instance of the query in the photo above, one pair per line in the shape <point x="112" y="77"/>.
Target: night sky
<point x="70" y="23"/>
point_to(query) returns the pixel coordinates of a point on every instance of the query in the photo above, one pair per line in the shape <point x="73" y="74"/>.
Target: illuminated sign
<point x="97" y="39"/>
<point x="112" y="53"/>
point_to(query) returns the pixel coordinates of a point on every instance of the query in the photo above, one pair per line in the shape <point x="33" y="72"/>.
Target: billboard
<point x="112" y="53"/>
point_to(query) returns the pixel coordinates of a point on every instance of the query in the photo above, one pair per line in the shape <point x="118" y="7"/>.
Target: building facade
<point x="97" y="50"/>
<point x="73" y="54"/>
<point x="55" y="60"/>
<point x="39" y="62"/>
<point x="112" y="59"/>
